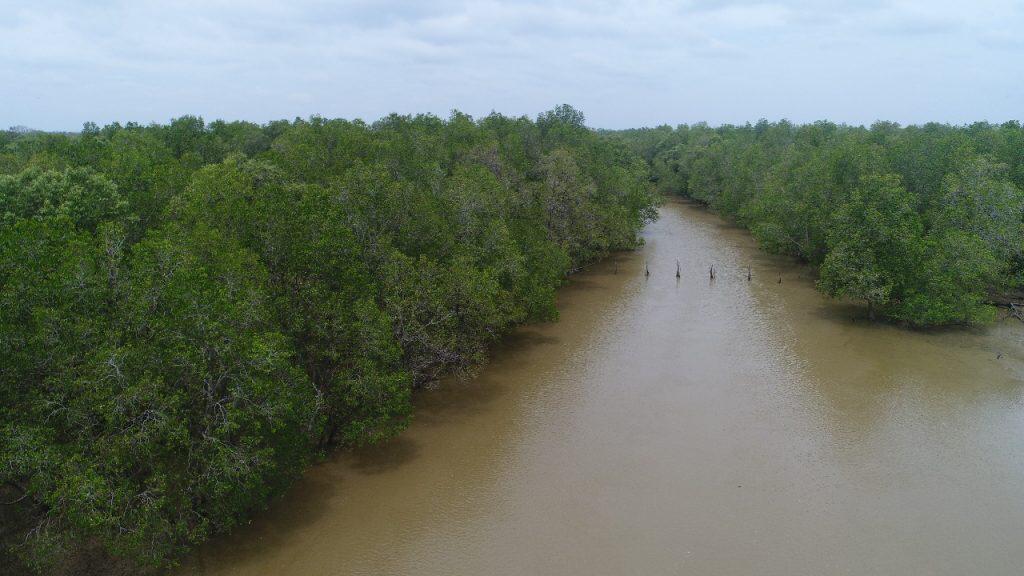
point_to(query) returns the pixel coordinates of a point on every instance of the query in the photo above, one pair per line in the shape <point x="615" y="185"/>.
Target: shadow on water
<point x="300" y="507"/>
<point x="584" y="284"/>
<point x="385" y="456"/>
<point x="468" y="395"/>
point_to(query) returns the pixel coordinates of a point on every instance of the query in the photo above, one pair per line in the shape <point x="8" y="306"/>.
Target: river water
<point x="690" y="426"/>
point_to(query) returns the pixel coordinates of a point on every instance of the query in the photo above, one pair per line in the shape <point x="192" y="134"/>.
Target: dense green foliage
<point x="923" y="223"/>
<point x="190" y="312"/>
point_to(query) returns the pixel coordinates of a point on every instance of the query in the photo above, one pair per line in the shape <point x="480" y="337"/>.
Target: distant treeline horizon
<point x="89" y="124"/>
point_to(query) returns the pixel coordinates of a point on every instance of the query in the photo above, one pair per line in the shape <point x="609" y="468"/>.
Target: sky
<point x="624" y="64"/>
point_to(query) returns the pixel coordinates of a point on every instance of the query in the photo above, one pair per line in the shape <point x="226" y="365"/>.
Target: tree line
<point x="923" y="224"/>
<point x="190" y="313"/>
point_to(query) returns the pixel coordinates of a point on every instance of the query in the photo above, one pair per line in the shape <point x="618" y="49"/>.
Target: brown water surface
<point x="682" y="427"/>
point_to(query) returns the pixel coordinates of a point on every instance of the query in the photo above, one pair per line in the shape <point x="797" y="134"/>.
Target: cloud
<point x="624" y="63"/>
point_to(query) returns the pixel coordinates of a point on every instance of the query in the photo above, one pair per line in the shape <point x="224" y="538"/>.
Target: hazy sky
<point x="623" y="63"/>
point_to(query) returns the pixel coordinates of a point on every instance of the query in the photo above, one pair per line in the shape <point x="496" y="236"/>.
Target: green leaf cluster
<point x="190" y="313"/>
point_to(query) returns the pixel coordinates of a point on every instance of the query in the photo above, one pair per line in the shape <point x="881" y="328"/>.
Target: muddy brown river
<point x="681" y="427"/>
